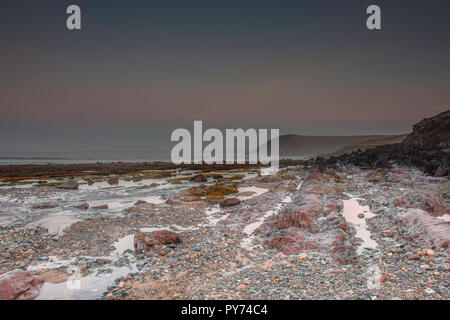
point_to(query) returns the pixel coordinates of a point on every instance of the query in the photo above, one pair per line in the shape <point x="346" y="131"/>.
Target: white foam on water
<point x="352" y="209"/>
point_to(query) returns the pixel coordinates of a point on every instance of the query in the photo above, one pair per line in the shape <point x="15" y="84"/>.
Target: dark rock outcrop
<point x="426" y="148"/>
<point x="431" y="132"/>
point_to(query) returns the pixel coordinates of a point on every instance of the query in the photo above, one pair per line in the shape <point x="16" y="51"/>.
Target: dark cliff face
<point x="431" y="132"/>
<point x="426" y="148"/>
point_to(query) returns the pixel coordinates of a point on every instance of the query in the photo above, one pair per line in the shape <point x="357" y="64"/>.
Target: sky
<point x="139" y="69"/>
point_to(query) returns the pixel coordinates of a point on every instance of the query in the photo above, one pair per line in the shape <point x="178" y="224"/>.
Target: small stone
<point x="102" y="261"/>
<point x="103" y="206"/>
<point x="384" y="278"/>
<point x="430" y="253"/>
<point x="424" y="266"/>
<point x="429" y="291"/>
<point x="387" y="233"/>
<point x="412" y="256"/>
<point x="83" y="206"/>
<point x="242" y="287"/>
<point x="7" y="255"/>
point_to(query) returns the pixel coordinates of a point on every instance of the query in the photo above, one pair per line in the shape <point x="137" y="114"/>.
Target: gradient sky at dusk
<point x="139" y="69"/>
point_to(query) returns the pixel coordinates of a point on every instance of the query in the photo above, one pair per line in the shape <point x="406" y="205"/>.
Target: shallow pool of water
<point x="352" y="211"/>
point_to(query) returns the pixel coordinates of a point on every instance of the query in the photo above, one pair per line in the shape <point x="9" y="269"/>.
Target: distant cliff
<point x="311" y="146"/>
<point x="431" y="132"/>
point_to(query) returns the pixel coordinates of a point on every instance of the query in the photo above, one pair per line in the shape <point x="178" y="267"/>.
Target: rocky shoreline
<point x="370" y="225"/>
<point x="287" y="237"/>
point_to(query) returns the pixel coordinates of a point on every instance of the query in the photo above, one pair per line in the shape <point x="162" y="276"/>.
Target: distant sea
<point x="90" y="156"/>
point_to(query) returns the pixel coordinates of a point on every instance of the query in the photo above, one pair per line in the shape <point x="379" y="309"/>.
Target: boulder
<point x="230" y="202"/>
<point x="19" y="285"/>
<point x="83" y="206"/>
<point x="69" y="185"/>
<point x="146" y="240"/>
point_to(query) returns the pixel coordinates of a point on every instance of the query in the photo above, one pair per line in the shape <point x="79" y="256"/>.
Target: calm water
<point x="83" y="156"/>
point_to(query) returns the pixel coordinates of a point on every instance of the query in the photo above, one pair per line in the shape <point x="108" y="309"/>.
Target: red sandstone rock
<point x="384" y="277"/>
<point x="103" y="206"/>
<point x="146" y="240"/>
<point x="334" y="208"/>
<point x="19" y="285"/>
<point x="401" y="202"/>
<point x="199" y="178"/>
<point x="83" y="206"/>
